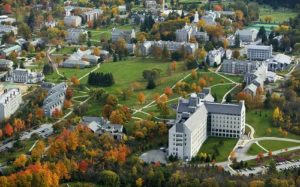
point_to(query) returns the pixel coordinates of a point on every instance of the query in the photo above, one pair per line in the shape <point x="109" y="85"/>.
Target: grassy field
<point x="236" y="78"/>
<point x="277" y="145"/>
<point x="6" y="156"/>
<point x="68" y="73"/>
<point x="66" y="50"/>
<point x="224" y="150"/>
<point x="261" y="120"/>
<point x="130" y="71"/>
<point x="105" y="33"/>
<point x="255" y="149"/>
<point x="279" y="15"/>
<point x="221" y="90"/>
<point x="268" y="27"/>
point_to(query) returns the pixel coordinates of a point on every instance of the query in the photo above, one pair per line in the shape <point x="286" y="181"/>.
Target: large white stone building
<point x="10" y="101"/>
<point x="25" y="76"/>
<point x="55" y="99"/>
<point x="72" y="21"/>
<point x="247" y="35"/>
<point x="199" y="117"/>
<point x="6" y="64"/>
<point x="171" y="46"/>
<point x="259" y="52"/>
<point x="91" y="15"/>
<point x="127" y="35"/>
<point x="238" y="66"/>
<point x="256" y="79"/>
<point x="7" y="29"/>
<point x="279" y="62"/>
<point x="74" y="34"/>
<point x="255" y="73"/>
<point x="188" y="31"/>
<point x="210" y="17"/>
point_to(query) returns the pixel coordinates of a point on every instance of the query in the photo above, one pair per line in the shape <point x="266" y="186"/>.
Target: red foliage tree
<point x="8" y="130"/>
<point x="83" y="166"/>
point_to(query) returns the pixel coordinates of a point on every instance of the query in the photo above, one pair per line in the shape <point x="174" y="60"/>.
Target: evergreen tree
<point x="47" y="69"/>
<point x="237" y="42"/>
<point x="215" y="97"/>
<point x="228" y="98"/>
<point x="262" y="34"/>
<point x="151" y="84"/>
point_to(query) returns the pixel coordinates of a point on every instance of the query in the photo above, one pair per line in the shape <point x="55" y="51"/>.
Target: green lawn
<point x="268" y="27"/>
<point x="274" y="145"/>
<point x="261" y="120"/>
<point x="279" y="15"/>
<point x="130" y="71"/>
<point x="68" y="73"/>
<point x="105" y="33"/>
<point x="221" y="90"/>
<point x="236" y="78"/>
<point x="254" y="150"/>
<point x="224" y="150"/>
<point x="66" y="50"/>
<point x="8" y="156"/>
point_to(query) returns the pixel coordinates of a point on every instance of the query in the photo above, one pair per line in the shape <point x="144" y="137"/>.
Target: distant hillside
<point x="280" y="3"/>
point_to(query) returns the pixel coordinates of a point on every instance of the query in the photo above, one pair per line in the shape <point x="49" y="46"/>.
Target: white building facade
<point x="259" y="52"/>
<point x="72" y="21"/>
<point x="10" y="101"/>
<point x="199" y="117"/>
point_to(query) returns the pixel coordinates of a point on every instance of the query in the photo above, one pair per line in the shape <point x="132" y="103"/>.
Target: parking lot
<point x="43" y="131"/>
<point x="280" y="166"/>
<point x="154" y="156"/>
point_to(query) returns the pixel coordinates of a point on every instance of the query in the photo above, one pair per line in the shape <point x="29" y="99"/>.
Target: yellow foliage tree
<point x="20" y="161"/>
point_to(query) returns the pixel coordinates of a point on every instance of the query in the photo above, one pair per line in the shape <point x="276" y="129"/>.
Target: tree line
<point x="101" y="79"/>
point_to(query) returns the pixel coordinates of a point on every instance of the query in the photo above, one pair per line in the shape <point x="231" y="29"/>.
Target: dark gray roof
<point x="218" y="108"/>
<point x="88" y="119"/>
<point x="179" y="127"/>
<point x="184" y="106"/>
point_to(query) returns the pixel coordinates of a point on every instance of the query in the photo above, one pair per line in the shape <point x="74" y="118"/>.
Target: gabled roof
<point x="221" y="108"/>
<point x="193" y="121"/>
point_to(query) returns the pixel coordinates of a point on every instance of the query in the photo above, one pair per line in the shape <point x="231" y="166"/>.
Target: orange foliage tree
<point x="141" y="98"/>
<point x="168" y="91"/>
<point x="8" y="130"/>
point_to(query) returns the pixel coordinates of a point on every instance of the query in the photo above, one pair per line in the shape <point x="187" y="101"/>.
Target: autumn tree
<point x="277" y="116"/>
<point x="112" y="100"/>
<point x="38" y="150"/>
<point x="106" y="111"/>
<point x="109" y="178"/>
<point x="8" y="130"/>
<point x="173" y="65"/>
<point x="202" y="82"/>
<point x="139" y="182"/>
<point x="75" y="80"/>
<point x="96" y="51"/>
<point x="56" y="113"/>
<point x="218" y="8"/>
<point x="67" y="104"/>
<point x="194" y="74"/>
<point x="168" y="91"/>
<point x="20" y="161"/>
<point x="69" y="93"/>
<point x="18" y="125"/>
<point x="236" y="54"/>
<point x="141" y="98"/>
<point x="39" y="113"/>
